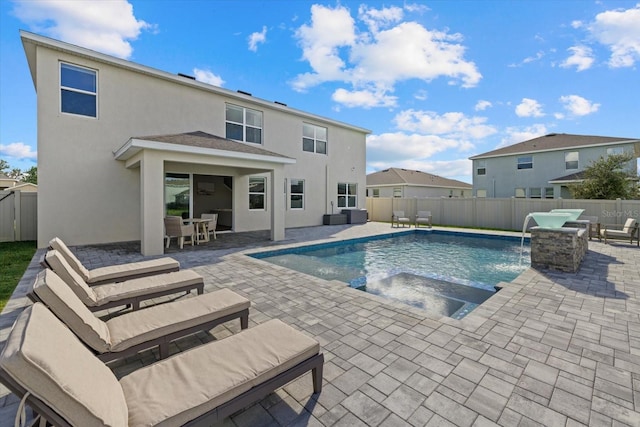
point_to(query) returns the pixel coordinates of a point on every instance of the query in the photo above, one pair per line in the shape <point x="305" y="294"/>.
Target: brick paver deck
<point x="550" y="349"/>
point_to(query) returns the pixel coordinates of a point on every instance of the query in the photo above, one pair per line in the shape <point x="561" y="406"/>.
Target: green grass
<point x="14" y="260"/>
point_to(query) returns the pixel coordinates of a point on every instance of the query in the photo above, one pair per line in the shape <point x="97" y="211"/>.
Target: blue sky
<point x="435" y="81"/>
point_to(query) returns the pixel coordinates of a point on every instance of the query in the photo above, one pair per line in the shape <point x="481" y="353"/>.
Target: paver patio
<point x="550" y="349"/>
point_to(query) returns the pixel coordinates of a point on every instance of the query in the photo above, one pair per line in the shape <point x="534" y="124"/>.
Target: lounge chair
<point x="50" y="370"/>
<point x="115" y="273"/>
<point x="400" y="218"/>
<point x="423" y="218"/>
<point x="629" y="231"/>
<point x="129" y="292"/>
<point x="174" y="227"/>
<point x="156" y="326"/>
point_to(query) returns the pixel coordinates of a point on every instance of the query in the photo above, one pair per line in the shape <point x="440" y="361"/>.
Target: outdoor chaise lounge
<point x="156" y="326"/>
<point x="629" y="231"/>
<point x="50" y="370"/>
<point x="400" y="218"/>
<point x="115" y="273"/>
<point x="129" y="292"/>
<point x="423" y="218"/>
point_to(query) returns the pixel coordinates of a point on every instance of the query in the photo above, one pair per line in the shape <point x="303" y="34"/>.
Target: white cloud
<point x="363" y="98"/>
<point x="576" y="24"/>
<point x="207" y="76"/>
<point x="529" y="108"/>
<point x="453" y="124"/>
<point x="619" y="30"/>
<point x="520" y="134"/>
<point x="379" y="53"/>
<point x="18" y="150"/>
<point x="483" y="105"/>
<point x="104" y="26"/>
<point x="399" y="146"/>
<point x="257" y="37"/>
<point x="581" y="57"/>
<point x="578" y="106"/>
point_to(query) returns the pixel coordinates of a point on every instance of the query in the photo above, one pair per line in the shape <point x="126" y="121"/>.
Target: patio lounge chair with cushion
<point x="174" y="227"/>
<point x="629" y="231"/>
<point x="423" y="218"/>
<point x="123" y="293"/>
<point x="400" y="218"/>
<point x="156" y="326"/>
<point x="114" y="273"/>
<point x="50" y="370"/>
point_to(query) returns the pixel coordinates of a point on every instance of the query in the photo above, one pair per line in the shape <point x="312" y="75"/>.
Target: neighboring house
<point x="396" y="182"/>
<point x="7" y="183"/>
<point x="26" y="187"/>
<point x="120" y="145"/>
<point x="544" y="167"/>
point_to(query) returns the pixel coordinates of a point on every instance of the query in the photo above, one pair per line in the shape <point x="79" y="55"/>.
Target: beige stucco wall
<point x="85" y="196"/>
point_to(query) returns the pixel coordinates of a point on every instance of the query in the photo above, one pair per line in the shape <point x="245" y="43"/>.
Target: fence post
<point x="17" y="223"/>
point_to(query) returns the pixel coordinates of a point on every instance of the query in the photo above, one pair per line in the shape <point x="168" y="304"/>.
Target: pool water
<point x="445" y="273"/>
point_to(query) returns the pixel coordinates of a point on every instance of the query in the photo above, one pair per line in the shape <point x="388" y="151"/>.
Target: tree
<point x="31" y="175"/>
<point x="4" y="165"/>
<point x="607" y="178"/>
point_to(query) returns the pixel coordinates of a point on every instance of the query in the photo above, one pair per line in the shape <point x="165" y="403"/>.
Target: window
<point x="520" y="193"/>
<point x="257" y="190"/>
<point x="525" y="162"/>
<point x="481" y="168"/>
<point x="615" y="150"/>
<point x="535" y="193"/>
<point x="376" y="192"/>
<point x="481" y="193"/>
<point x="548" y="193"/>
<point x="347" y="195"/>
<point x="297" y="194"/>
<point x="244" y="124"/>
<point x="397" y="192"/>
<point x="78" y="90"/>
<point x="177" y="194"/>
<point x="571" y="160"/>
<point x="314" y="139"/>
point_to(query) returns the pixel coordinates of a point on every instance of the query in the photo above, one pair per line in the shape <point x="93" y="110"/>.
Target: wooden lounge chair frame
<point x="634" y="232"/>
<point x="398" y="218"/>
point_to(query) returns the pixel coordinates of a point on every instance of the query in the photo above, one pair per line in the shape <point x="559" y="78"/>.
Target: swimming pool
<point x="447" y="273"/>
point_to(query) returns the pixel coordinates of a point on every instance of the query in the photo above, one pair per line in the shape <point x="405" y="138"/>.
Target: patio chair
<point x="50" y="371"/>
<point x="211" y="225"/>
<point x="156" y="326"/>
<point x="400" y="218"/>
<point x="423" y="218"/>
<point x="174" y="227"/>
<point x="594" y="226"/>
<point x="129" y="292"/>
<point x="114" y="273"/>
<point x="629" y="231"/>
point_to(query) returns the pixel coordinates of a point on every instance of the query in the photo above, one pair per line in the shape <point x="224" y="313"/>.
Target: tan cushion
<point x="67" y="307"/>
<point x="43" y="356"/>
<point x="122" y="271"/>
<point x="74" y="262"/>
<point x="145" y="285"/>
<point x="187" y="385"/>
<point x="61" y="267"/>
<point x="160" y="320"/>
<point x="629" y="224"/>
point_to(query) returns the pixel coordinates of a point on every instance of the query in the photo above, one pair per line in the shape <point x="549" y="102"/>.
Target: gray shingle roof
<point x="395" y="176"/>
<point x="553" y="141"/>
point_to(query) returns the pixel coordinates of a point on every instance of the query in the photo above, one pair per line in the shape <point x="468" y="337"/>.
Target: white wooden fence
<point x="502" y="214"/>
<point x="18" y="216"/>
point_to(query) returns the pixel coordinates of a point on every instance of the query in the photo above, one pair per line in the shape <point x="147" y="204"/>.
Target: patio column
<point x="152" y="203"/>
<point x="277" y="203"/>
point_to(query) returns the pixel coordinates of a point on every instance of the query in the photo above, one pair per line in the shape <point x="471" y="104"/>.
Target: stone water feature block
<point x="559" y="249"/>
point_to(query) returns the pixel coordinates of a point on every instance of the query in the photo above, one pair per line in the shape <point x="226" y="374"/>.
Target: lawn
<point x="14" y="260"/>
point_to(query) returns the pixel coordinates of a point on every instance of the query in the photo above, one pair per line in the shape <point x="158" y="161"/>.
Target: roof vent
<point x="551" y="134"/>
<point x="280" y="103"/>
<point x="244" y="93"/>
<point x="186" y="76"/>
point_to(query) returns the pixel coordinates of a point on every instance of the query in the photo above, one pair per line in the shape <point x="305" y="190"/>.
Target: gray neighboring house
<point x="544" y="167"/>
<point x="396" y="182"/>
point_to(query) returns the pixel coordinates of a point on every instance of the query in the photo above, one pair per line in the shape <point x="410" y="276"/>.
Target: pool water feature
<point x="447" y="273"/>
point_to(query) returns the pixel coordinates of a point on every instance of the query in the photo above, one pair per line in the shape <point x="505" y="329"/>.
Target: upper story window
<point x="481" y="167"/>
<point x="243" y="124"/>
<point x="297" y="194"/>
<point x="257" y="192"/>
<point x="615" y="150"/>
<point x="535" y="192"/>
<point x="397" y="192"/>
<point x="78" y="90"/>
<point x="347" y="195"/>
<point x="525" y="162"/>
<point x="314" y="139"/>
<point x="571" y="160"/>
<point x="481" y="193"/>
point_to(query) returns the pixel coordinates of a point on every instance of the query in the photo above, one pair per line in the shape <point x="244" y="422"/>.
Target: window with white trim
<point x="314" y="138"/>
<point x="525" y="162"/>
<point x="243" y="124"/>
<point x="347" y="195"/>
<point x="520" y="193"/>
<point x="397" y="192"/>
<point x="535" y="193"/>
<point x="296" y="194"/>
<point x="376" y="192"/>
<point x="78" y="90"/>
<point x="571" y="160"/>
<point x="257" y="193"/>
<point x="481" y="167"/>
<point x="548" y="192"/>
<point x="481" y="193"/>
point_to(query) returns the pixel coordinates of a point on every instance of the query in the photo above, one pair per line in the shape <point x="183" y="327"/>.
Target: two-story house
<point x="121" y="145"/>
<point x="399" y="182"/>
<point x="544" y="167"/>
